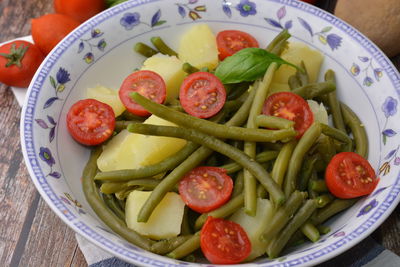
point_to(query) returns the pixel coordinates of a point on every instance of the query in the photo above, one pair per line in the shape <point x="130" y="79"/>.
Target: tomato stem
<point x="15" y="56"/>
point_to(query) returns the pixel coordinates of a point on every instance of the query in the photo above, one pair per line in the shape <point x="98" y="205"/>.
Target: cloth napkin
<point x="368" y="253"/>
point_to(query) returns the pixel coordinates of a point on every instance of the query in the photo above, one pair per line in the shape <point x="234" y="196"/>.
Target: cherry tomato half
<point x="205" y="188"/>
<point x="231" y="41"/>
<point x="349" y="175"/>
<point x="224" y="242"/>
<point x="202" y="94"/>
<point x="90" y="122"/>
<point x="291" y="107"/>
<point x="148" y="84"/>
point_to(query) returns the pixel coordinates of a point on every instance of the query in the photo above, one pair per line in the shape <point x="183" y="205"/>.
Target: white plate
<point x="100" y="52"/>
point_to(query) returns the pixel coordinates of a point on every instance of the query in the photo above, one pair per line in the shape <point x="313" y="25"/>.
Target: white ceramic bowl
<point x="100" y="52"/>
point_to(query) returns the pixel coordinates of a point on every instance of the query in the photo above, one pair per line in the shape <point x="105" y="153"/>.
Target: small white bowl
<point x="100" y="51"/>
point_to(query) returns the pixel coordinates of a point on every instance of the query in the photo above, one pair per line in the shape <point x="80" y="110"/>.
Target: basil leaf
<point x="247" y="65"/>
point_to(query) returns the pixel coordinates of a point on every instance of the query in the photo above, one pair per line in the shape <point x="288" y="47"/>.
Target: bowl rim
<point x="26" y="134"/>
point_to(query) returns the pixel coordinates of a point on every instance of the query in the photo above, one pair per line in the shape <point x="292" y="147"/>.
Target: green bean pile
<point x="263" y="163"/>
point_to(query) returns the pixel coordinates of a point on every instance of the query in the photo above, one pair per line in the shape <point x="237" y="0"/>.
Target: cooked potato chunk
<point x="198" y="47"/>
<point x="164" y="222"/>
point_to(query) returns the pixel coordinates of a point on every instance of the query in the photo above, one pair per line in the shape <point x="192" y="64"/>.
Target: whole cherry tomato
<point x="80" y="10"/>
<point x="49" y="30"/>
<point x="19" y="61"/>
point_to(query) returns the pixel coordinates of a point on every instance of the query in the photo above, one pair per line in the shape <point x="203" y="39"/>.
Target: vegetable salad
<point x="225" y="148"/>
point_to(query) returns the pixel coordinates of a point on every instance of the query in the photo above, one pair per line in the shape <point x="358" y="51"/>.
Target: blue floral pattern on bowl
<point x="92" y="43"/>
<point x="191" y="9"/>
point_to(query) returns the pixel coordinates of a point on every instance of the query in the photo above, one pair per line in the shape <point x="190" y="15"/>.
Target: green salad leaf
<point x="248" y="65"/>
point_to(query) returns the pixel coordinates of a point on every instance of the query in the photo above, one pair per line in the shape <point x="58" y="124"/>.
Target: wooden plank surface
<point x="30" y="233"/>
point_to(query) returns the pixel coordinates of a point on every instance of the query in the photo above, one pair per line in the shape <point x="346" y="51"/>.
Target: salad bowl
<point x="100" y="52"/>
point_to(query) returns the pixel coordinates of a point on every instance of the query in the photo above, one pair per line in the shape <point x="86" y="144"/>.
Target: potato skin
<point x="378" y="20"/>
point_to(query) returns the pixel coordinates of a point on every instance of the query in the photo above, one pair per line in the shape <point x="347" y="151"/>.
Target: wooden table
<point x="30" y="233"/>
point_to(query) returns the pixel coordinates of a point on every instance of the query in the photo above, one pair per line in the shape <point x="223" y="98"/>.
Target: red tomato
<point x="202" y="94"/>
<point x="146" y="83"/>
<point x="310" y="1"/>
<point x="90" y="122"/>
<point x="205" y="188"/>
<point x="349" y="175"/>
<point x="49" y="30"/>
<point x="231" y="41"/>
<point x="224" y="242"/>
<point x="19" y="61"/>
<point x="79" y="10"/>
<point x="291" y="107"/>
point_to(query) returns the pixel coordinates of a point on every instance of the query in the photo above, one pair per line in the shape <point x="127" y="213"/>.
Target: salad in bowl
<point x="224" y="133"/>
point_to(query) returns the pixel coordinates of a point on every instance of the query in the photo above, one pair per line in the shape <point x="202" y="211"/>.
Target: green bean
<point x="326" y="148"/>
<point x="260" y="158"/>
<point x="192" y="161"/>
<point x="144" y="49"/>
<point x="250" y="184"/>
<point x="239" y="184"/>
<point x="188" y="68"/>
<point x="296" y="239"/>
<point x="311" y="193"/>
<point x="304" y="144"/>
<point x="324" y="200"/>
<point x="319" y="186"/>
<point x="189" y="258"/>
<point x="282" y="162"/>
<point x="279" y="242"/>
<point x="283" y="215"/>
<point x="306" y="171"/>
<point x="121" y="125"/>
<point x="358" y="130"/>
<point x="187" y="247"/>
<point x="236" y="90"/>
<point x="124" y="193"/>
<point x="323" y="229"/>
<point x="261" y="192"/>
<point x="112" y="203"/>
<point x="185" y="226"/>
<point x="150" y="170"/>
<point x="113" y="187"/>
<point x="334" y="105"/>
<point x="294" y="82"/>
<point x="310" y="231"/>
<point x="162" y="46"/>
<point x="99" y="207"/>
<point x="208" y="127"/>
<point x="277" y="45"/>
<point x="312" y="90"/>
<point x="273" y="122"/>
<point x="165" y="246"/>
<point x="219" y="146"/>
<point x="331" y="209"/>
<point x="302" y="76"/>
<point x="126" y="115"/>
<point x="223" y="211"/>
<point x="338" y="135"/>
